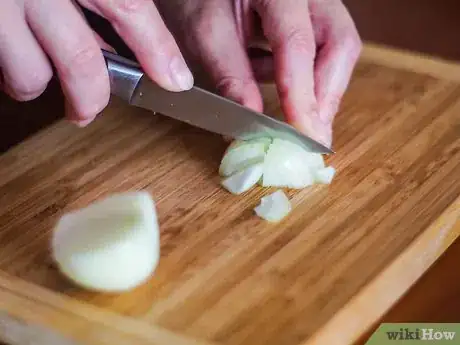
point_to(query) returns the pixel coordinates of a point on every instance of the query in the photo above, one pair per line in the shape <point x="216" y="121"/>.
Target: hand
<point x="34" y="31"/>
<point x="314" y="45"/>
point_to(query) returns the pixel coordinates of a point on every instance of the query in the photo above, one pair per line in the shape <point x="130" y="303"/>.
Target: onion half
<point x="112" y="245"/>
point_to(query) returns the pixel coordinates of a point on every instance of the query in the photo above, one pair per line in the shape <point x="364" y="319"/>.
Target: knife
<point x="198" y="107"/>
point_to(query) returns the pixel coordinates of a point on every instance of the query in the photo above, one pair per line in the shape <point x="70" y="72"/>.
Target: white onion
<point x="243" y="180"/>
<point x="325" y="175"/>
<point x="111" y="245"/>
<point x="288" y="165"/>
<point x="241" y="154"/>
<point x="285" y="163"/>
<point x="272" y="163"/>
<point x="274" y="207"/>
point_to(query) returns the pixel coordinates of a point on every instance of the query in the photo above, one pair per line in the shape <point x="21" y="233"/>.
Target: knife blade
<point x="198" y="107"/>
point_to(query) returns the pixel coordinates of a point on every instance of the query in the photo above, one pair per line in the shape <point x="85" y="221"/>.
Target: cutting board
<point x="324" y="275"/>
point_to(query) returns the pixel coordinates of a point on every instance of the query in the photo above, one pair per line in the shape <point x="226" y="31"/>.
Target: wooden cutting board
<point x="324" y="275"/>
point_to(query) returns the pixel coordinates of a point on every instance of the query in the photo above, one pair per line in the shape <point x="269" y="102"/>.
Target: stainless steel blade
<point x="199" y="108"/>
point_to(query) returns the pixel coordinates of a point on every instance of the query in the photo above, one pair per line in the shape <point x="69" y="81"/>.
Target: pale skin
<point x="314" y="45"/>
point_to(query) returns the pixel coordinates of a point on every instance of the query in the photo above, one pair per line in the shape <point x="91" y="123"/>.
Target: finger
<point x="71" y="45"/>
<point x="245" y="20"/>
<point x="102" y="43"/>
<point x="140" y="25"/>
<point x="25" y="68"/>
<point x="72" y="115"/>
<point x="340" y="47"/>
<point x="221" y="51"/>
<point x="289" y="31"/>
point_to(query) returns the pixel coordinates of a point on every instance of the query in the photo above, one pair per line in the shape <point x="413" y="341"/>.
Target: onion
<point x="272" y="163"/>
<point x="285" y="164"/>
<point x="111" y="245"/>
<point x="243" y="180"/>
<point x="274" y="207"/>
<point x="289" y="165"/>
<point x="325" y="175"/>
<point x="241" y="154"/>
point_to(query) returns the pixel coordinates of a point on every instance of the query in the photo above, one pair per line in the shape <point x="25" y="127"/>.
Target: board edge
<point x="352" y="322"/>
<point x="26" y="306"/>
<point x="411" y="61"/>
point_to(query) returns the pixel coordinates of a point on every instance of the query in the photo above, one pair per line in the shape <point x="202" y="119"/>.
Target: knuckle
<point x="202" y="21"/>
<point x="300" y="40"/>
<point x="127" y="7"/>
<point x="83" y="57"/>
<point x="233" y="85"/>
<point x="82" y="62"/>
<point x="200" y="31"/>
<point x="166" y="44"/>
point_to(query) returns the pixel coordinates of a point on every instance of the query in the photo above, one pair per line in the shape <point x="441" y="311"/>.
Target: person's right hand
<point x="33" y="32"/>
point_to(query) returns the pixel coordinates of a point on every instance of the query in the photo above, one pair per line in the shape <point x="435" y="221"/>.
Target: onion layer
<point x="241" y="154"/>
<point x="243" y="180"/>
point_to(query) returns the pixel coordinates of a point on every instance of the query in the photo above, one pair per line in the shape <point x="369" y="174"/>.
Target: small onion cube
<point x="325" y="175"/>
<point x="274" y="207"/>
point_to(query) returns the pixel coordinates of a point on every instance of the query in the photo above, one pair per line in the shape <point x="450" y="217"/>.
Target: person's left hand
<point x="314" y="44"/>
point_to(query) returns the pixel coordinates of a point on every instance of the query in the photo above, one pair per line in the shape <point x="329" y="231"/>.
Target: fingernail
<point x="181" y="74"/>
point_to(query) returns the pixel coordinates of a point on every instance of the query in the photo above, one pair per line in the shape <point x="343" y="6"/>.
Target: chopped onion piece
<point x="243" y="180"/>
<point x="111" y="245"/>
<point x="274" y="207"/>
<point x="285" y="164"/>
<point x="288" y="165"/>
<point x="325" y="175"/>
<point x="241" y="154"/>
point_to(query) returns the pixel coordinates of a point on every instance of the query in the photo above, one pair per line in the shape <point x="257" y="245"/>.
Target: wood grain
<point x="434" y="298"/>
<point x="346" y="253"/>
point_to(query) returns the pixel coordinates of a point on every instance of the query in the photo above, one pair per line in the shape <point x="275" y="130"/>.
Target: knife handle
<point x="124" y="75"/>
